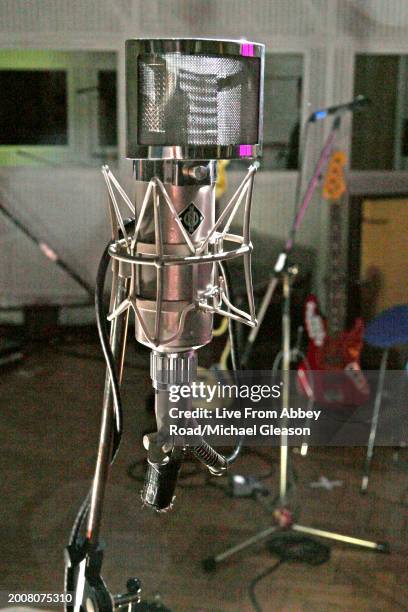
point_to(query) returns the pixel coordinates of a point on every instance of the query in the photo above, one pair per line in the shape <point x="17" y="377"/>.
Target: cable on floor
<point x="289" y="547"/>
<point x="254" y="582"/>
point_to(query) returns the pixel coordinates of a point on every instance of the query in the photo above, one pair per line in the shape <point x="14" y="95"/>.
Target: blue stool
<point x="387" y="330"/>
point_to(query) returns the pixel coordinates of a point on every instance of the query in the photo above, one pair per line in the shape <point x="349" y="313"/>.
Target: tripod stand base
<point x="210" y="563"/>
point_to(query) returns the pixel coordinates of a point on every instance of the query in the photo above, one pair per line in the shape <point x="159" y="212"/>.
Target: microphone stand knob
<point x="131" y="598"/>
<point x="134" y="585"/>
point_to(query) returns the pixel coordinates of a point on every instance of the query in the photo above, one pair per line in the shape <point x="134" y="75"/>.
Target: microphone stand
<point x="168" y="266"/>
<point x="84" y="555"/>
<point x="284" y="273"/>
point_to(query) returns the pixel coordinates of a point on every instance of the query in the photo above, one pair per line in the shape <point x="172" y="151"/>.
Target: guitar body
<point x="341" y="382"/>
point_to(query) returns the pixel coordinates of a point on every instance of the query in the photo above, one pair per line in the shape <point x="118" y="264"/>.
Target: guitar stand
<point x="284" y="517"/>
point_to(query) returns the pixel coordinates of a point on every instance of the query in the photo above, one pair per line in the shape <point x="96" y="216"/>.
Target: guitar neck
<point x="336" y="301"/>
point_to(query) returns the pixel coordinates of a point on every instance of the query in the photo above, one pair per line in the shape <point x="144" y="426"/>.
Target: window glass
<point x="282" y="112"/>
<point x="107" y="108"/>
<point x="33" y="107"/>
<point x="380" y="131"/>
<point x="58" y="107"/>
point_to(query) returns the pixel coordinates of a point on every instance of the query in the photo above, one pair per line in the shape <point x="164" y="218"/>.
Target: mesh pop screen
<point x="197" y="99"/>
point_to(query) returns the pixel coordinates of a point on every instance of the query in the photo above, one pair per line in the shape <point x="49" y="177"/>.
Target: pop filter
<point x="194" y="99"/>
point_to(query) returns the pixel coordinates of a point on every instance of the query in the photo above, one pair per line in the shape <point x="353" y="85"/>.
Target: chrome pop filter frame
<point x="248" y="54"/>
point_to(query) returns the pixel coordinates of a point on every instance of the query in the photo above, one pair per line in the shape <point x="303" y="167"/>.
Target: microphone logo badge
<point x="191" y="218"/>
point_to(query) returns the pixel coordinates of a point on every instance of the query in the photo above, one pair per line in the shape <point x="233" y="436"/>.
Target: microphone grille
<point x="193" y="101"/>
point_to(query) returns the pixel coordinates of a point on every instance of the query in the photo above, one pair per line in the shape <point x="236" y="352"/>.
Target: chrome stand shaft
<point x="374" y="422"/>
<point x="118" y="333"/>
<point x="284" y="450"/>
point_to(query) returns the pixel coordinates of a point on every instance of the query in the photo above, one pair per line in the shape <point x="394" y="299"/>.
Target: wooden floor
<point x="50" y="418"/>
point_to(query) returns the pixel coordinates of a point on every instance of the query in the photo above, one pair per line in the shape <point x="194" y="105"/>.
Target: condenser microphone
<point x="190" y="103"/>
<point x="353" y="105"/>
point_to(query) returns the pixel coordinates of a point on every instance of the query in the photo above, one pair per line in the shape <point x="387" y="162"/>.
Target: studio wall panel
<point x="327" y="32"/>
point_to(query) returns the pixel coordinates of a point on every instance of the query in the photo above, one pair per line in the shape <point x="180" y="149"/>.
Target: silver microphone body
<point x="191" y="189"/>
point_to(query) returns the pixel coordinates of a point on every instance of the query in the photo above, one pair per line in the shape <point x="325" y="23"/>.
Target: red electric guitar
<point x="331" y="350"/>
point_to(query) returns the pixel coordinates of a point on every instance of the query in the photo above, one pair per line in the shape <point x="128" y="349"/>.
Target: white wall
<point x="69" y="204"/>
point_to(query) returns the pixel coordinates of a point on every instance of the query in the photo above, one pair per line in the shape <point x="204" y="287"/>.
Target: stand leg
<point x="321" y="533"/>
<point x="118" y="343"/>
<point x="374" y="422"/>
<point x="210" y="563"/>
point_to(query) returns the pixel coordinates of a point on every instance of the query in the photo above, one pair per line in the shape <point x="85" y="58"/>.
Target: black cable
<point x="290" y="547"/>
<point x="111" y="367"/>
<point x="79" y="519"/>
<point x="293" y="546"/>
<point x="235" y="358"/>
<point x="115" y="390"/>
<point x="101" y="317"/>
<point x="106" y="349"/>
<point x="254" y="582"/>
<point x="104" y="339"/>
